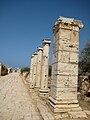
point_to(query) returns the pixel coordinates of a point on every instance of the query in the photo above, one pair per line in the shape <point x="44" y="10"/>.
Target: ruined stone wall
<point x="3" y="70"/>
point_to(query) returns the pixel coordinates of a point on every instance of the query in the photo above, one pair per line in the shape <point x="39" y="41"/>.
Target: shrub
<point x="25" y="69"/>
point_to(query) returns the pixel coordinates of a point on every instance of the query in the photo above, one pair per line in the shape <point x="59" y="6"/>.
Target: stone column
<point x="65" y="65"/>
<point x="45" y="63"/>
<point x="34" y="69"/>
<point x="31" y="72"/>
<point x="39" y="61"/>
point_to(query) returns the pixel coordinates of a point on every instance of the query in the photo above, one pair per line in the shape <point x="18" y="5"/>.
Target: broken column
<point x="31" y="72"/>
<point x="39" y="63"/>
<point x="45" y="64"/>
<point x="65" y="65"/>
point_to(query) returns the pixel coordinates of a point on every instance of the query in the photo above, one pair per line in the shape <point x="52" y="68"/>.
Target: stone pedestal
<point x="45" y="64"/>
<point x="65" y="65"/>
<point x="39" y="62"/>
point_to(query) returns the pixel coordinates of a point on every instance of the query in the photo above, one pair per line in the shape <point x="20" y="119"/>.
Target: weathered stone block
<point x="63" y="56"/>
<point x="74" y="37"/>
<point x="66" y="93"/>
<point x="67" y="69"/>
<point x="64" y="45"/>
<point x="55" y="55"/>
<point x="67" y="45"/>
<point x="54" y="69"/>
<point x="45" y="62"/>
<point x="73" y="81"/>
<point x="64" y="81"/>
<point x="74" y="48"/>
<point x="61" y="81"/>
<point x="65" y="34"/>
<point x="73" y="57"/>
<point x="53" y="91"/>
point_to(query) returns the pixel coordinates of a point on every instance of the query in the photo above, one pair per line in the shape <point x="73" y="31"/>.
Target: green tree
<point x="84" y="62"/>
<point x="25" y="69"/>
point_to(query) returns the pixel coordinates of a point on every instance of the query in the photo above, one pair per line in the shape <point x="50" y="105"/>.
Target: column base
<point x="63" y="105"/>
<point x="43" y="93"/>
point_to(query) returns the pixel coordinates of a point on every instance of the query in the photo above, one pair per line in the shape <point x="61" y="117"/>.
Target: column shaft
<point x="31" y="71"/>
<point x="39" y="63"/>
<point x="45" y="64"/>
<point x="35" y="69"/>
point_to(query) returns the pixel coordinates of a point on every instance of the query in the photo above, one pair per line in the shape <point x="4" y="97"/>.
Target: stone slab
<point x="77" y="114"/>
<point x="46" y="115"/>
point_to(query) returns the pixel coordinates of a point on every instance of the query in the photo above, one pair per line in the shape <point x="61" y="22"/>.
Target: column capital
<point x="67" y="23"/>
<point x="46" y="41"/>
<point x="32" y="56"/>
<point x="40" y="48"/>
<point x="35" y="53"/>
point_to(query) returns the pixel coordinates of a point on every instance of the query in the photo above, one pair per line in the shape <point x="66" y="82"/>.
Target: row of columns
<point x="63" y="97"/>
<point x="39" y="68"/>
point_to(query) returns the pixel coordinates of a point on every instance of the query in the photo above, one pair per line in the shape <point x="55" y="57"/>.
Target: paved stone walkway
<point x="15" y="102"/>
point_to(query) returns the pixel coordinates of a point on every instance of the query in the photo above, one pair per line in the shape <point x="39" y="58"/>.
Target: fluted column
<point x="45" y="64"/>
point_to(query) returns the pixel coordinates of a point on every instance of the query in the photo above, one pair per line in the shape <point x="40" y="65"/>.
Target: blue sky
<point x="25" y="23"/>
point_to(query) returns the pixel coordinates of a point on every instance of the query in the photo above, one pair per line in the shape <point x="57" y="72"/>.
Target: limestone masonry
<point x="65" y="65"/>
<point x="39" y="67"/>
<point x="4" y="70"/>
<point x="31" y="72"/>
<point x="45" y="63"/>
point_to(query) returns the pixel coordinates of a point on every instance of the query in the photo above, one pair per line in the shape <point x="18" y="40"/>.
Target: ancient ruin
<point x="43" y="96"/>
<point x="65" y="65"/>
<point x="45" y="63"/>
<point x="31" y="72"/>
<point x="3" y="69"/>
<point x="35" y="68"/>
<point x="39" y="67"/>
